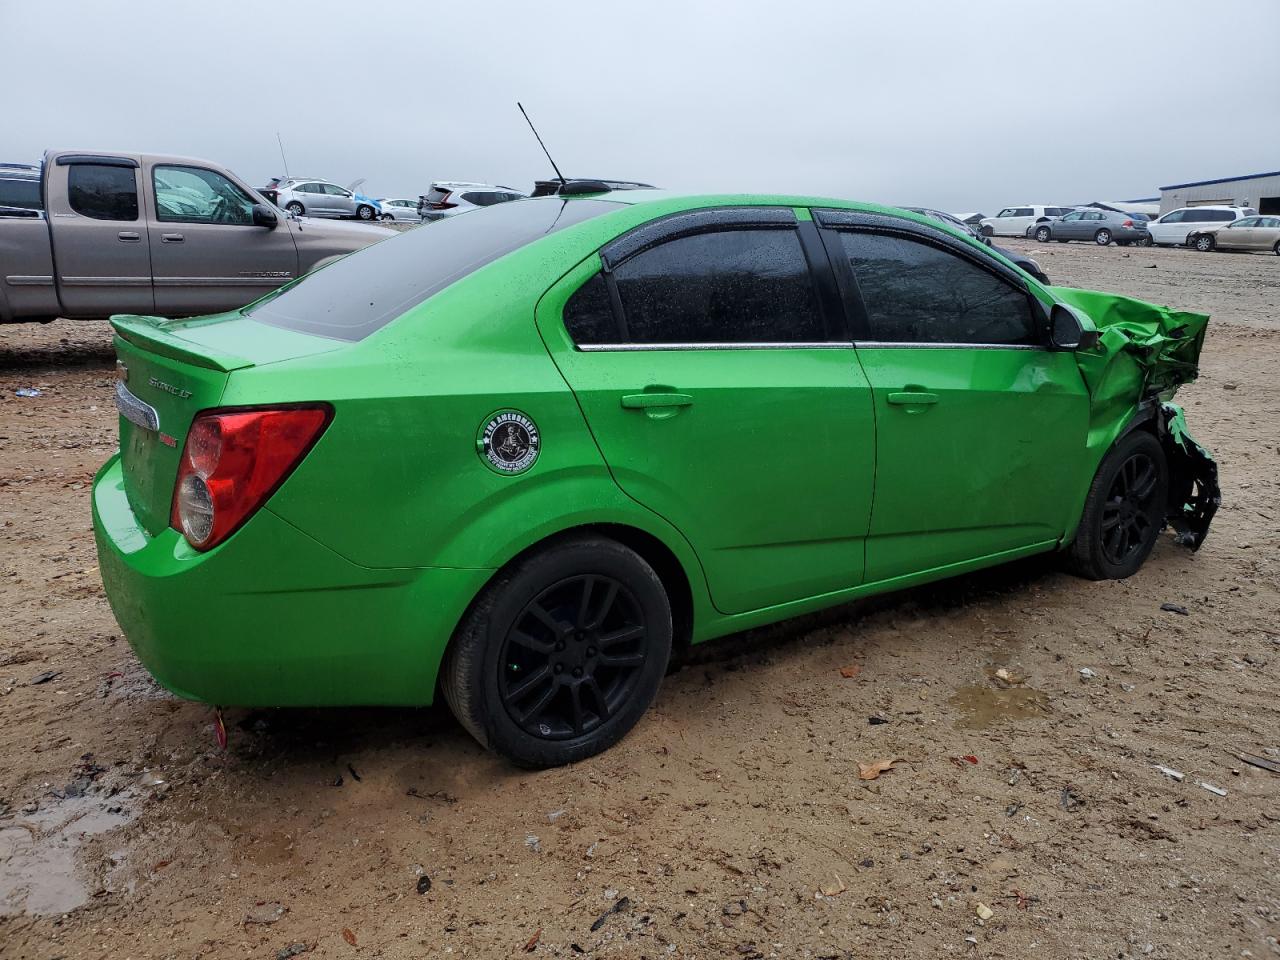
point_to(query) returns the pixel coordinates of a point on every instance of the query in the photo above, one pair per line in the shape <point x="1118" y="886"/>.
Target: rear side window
<point x="918" y="293"/>
<point x="102" y="192"/>
<point x="20" y="192"/>
<point x="354" y="296"/>
<point x="729" y="286"/>
<point x="588" y="315"/>
<point x="1227" y="215"/>
<point x="1024" y="212"/>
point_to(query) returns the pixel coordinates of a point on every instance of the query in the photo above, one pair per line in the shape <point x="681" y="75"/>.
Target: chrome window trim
<point x="873" y="344"/>
<point x="134" y="410"/>
<point x="636" y="347"/>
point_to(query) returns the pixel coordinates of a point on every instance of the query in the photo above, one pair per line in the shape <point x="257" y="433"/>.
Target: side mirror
<point x="1068" y="332"/>
<point x="264" y="216"/>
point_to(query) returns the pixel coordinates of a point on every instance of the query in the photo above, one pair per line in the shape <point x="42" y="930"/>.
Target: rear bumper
<point x="272" y="617"/>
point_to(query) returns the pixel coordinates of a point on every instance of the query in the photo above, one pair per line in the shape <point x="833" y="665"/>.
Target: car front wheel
<point x="1043" y="234"/>
<point x="1124" y="511"/>
<point x="561" y="653"/>
<point x="1102" y="237"/>
<point x="1145" y="242"/>
<point x="1203" y="243"/>
<point x="364" y="212"/>
<point x="294" y="207"/>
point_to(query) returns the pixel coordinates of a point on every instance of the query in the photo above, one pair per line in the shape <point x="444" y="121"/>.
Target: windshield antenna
<point x="563" y="181"/>
<point x="282" y="156"/>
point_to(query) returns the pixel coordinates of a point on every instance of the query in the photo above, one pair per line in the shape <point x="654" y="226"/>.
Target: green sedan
<point x="523" y="455"/>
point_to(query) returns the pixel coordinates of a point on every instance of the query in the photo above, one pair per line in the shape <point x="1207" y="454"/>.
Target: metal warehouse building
<point x="1260" y="190"/>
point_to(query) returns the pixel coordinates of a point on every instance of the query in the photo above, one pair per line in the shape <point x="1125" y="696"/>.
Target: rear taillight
<point x="233" y="461"/>
<point x="1127" y="223"/>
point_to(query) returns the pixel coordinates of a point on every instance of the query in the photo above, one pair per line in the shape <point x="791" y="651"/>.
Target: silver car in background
<point x="402" y="209"/>
<point x="447" y="198"/>
<point x="1100" y="226"/>
<point x="312" y="197"/>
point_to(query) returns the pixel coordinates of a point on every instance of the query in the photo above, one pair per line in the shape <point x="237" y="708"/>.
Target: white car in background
<point x="1014" y="221"/>
<point x="400" y="209"/>
<point x="1172" y="229"/>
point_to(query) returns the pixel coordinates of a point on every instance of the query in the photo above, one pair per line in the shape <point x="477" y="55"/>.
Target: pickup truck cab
<point x="135" y="233"/>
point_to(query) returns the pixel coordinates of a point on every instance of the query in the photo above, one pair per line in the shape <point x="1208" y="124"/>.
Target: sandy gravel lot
<point x="732" y="822"/>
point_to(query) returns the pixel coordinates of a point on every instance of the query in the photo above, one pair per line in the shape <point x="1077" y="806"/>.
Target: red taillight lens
<point x="1127" y="223"/>
<point x="233" y="461"/>
<point x="443" y="203"/>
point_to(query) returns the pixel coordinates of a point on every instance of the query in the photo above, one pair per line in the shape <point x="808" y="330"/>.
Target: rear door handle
<point x="172" y="238"/>
<point x="647" y="401"/>
<point x="912" y="398"/>
<point x="129" y="236"/>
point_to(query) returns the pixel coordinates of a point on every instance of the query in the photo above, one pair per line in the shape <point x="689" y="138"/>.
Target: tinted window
<point x="356" y="295"/>
<point x="917" y="293"/>
<point x="1057" y="211"/>
<point x="104" y="193"/>
<point x="588" y="316"/>
<point x="1269" y="222"/>
<point x="1224" y="215"/>
<point x="20" y="192"/>
<point x="731" y="286"/>
<point x="196" y="195"/>
<point x="1024" y="212"/>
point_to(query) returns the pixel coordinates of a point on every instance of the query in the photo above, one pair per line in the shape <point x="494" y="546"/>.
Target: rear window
<point x="20" y="192"/>
<point x="354" y="296"/>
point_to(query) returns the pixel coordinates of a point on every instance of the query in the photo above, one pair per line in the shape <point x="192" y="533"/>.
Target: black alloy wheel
<point x="572" y="657"/>
<point x="1126" y="515"/>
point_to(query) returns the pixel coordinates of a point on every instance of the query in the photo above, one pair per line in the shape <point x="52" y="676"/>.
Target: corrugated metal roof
<point x="1205" y="183"/>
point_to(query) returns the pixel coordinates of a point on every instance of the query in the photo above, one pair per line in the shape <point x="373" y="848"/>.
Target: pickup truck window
<point x="102" y="192"/>
<point x="196" y="195"/>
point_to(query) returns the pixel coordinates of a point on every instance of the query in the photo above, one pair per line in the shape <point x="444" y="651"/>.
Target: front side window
<point x="102" y="192"/>
<point x="729" y="286"/>
<point x="1006" y="212"/>
<point x="1246" y="222"/>
<point x="196" y="195"/>
<point x="1175" y="217"/>
<point x="918" y="293"/>
<point x="1074" y="216"/>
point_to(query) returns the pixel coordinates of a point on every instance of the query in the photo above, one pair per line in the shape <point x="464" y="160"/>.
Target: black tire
<point x="553" y="614"/>
<point x="1123" y="243"/>
<point x="1043" y="234"/>
<point x="386" y="217"/>
<point x="1103" y="237"/>
<point x="364" y="212"/>
<point x="1124" y="511"/>
<point x="986" y="230"/>
<point x="1202" y="242"/>
<point x="1276" y="248"/>
<point x="1145" y="242"/>
<point x="294" y="207"/>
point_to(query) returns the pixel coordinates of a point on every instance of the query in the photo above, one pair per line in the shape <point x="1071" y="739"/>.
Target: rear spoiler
<point x="148" y="332"/>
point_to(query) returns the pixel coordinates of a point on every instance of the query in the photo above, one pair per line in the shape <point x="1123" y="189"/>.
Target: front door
<point x="980" y="427"/>
<point x="1070" y="227"/>
<point x="99" y="236"/>
<point x="206" y="253"/>
<point x="723" y="400"/>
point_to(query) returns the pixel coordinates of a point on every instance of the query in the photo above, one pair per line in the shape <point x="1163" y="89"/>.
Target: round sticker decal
<point x="510" y="442"/>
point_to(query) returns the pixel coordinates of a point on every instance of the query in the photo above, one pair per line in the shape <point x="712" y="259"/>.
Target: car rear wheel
<point x="386" y="217"/>
<point x="1043" y="234"/>
<point x="365" y="212"/>
<point x="1203" y="243"/>
<point x="294" y="207"/>
<point x="986" y="230"/>
<point x="1102" y="237"/>
<point x="561" y="654"/>
<point x="1276" y="248"/>
<point x="1124" y="511"/>
<point x="1144" y="242"/>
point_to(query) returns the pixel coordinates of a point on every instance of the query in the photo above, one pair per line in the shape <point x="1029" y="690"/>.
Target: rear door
<point x="99" y="235"/>
<point x="722" y="397"/>
<point x="206" y="253"/>
<point x="979" y="426"/>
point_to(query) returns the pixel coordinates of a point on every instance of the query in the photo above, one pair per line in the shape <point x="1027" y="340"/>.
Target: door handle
<point x="912" y="398"/>
<point x="647" y="401"/>
<point x="172" y="238"/>
<point x="129" y="236"/>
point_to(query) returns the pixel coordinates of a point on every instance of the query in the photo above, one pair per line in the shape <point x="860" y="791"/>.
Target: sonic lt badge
<point x="509" y="442"/>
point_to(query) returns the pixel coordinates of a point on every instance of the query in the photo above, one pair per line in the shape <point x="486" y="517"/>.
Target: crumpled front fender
<point x="1143" y="354"/>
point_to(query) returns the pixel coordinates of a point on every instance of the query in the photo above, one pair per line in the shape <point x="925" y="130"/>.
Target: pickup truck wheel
<point x="1043" y="234"/>
<point x="1203" y="243"/>
<point x="1124" y="510"/>
<point x="294" y="207"/>
<point x="365" y="212"/>
<point x="1102" y="237"/>
<point x="561" y="653"/>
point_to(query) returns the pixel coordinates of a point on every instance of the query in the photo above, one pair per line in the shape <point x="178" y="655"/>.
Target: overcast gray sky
<point x="961" y="105"/>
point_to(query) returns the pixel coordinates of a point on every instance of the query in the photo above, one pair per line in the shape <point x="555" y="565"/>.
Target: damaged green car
<point x="520" y="455"/>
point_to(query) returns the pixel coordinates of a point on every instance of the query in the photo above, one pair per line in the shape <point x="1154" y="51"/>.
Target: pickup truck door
<point x="206" y="253"/>
<point x="99" y="235"/>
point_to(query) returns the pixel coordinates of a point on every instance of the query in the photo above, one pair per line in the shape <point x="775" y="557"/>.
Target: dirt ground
<point x="732" y="821"/>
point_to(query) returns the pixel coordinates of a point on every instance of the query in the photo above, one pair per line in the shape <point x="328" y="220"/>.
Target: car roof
<point x="469" y="183"/>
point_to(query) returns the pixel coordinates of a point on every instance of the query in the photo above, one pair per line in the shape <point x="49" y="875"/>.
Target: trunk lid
<point x="167" y="372"/>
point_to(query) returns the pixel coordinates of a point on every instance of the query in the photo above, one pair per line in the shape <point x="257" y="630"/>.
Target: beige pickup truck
<point x="135" y="233"/>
